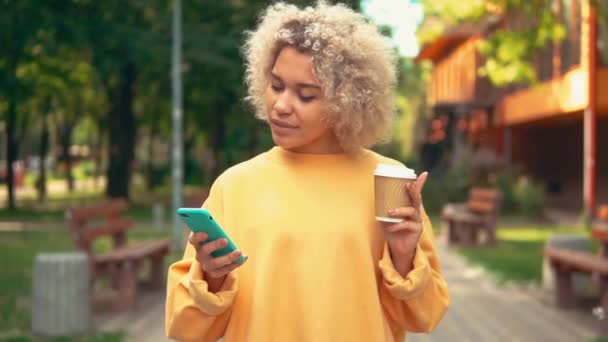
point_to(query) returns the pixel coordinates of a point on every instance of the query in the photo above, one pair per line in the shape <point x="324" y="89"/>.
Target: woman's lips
<point x="280" y="127"/>
<point x="282" y="124"/>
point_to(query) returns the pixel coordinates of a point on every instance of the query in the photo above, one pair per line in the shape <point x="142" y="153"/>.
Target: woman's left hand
<point x="403" y="237"/>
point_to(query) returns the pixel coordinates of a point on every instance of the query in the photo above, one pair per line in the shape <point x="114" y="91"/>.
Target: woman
<point x="319" y="267"/>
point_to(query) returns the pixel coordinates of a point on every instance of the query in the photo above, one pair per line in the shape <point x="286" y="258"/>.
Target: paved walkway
<point x="146" y="323"/>
<point x="480" y="311"/>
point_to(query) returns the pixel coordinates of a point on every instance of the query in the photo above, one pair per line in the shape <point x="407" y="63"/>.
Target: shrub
<point x="529" y="197"/>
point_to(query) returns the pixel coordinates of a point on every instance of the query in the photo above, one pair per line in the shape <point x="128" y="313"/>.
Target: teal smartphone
<point x="200" y="220"/>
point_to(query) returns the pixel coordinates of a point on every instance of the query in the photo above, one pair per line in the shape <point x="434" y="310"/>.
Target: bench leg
<point x="603" y="287"/>
<point x="157" y="272"/>
<point x="474" y="234"/>
<point x="461" y="234"/>
<point x="467" y="234"/>
<point x="564" y="292"/>
<point x="490" y="234"/>
<point x="452" y="232"/>
<point x="127" y="286"/>
<point x="114" y="270"/>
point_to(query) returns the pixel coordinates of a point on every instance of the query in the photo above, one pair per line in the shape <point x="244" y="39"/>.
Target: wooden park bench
<point x="123" y="263"/>
<point x="566" y="262"/>
<point x="480" y="212"/>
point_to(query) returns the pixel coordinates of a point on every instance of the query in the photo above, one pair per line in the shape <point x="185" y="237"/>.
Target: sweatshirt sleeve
<point x="418" y="301"/>
<point x="192" y="313"/>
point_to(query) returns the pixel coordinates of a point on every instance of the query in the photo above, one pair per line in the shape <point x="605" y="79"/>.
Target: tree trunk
<point x="44" y="149"/>
<point x="122" y="134"/>
<point x="66" y="143"/>
<point x="219" y="131"/>
<point x="11" y="118"/>
<point x="99" y="144"/>
<point x="150" y="176"/>
<point x="188" y="144"/>
<point x="11" y="150"/>
<point x="65" y="140"/>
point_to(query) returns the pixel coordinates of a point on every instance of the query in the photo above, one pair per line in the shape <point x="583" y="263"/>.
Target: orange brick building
<point x="557" y="130"/>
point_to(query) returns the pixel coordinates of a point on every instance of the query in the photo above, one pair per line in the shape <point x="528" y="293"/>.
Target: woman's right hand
<point x="215" y="268"/>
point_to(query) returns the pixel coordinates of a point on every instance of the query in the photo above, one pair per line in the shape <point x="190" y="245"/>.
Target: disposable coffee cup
<point x="390" y="190"/>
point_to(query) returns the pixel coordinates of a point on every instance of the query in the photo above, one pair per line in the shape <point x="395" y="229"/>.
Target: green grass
<point x="518" y="255"/>
<point x="32" y="215"/>
<point x="100" y="337"/>
<point x="54" y="211"/>
<point x="17" y="252"/>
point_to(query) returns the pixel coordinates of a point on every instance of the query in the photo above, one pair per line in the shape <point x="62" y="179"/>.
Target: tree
<point x="28" y="28"/>
<point x="508" y="52"/>
<point x="123" y="36"/>
<point x="214" y="86"/>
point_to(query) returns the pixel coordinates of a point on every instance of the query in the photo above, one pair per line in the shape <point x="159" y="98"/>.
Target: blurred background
<point x="503" y="96"/>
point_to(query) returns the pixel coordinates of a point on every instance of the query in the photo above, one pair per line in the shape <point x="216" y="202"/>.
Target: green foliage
<point x="529" y="197"/>
<point x="602" y="42"/>
<point x="412" y="109"/>
<point x="84" y="170"/>
<point x="453" y="12"/>
<point x="507" y="58"/>
<point x="451" y="186"/>
<point x="505" y="182"/>
<point x="65" y="60"/>
<point x="520" y="193"/>
<point x="508" y="52"/>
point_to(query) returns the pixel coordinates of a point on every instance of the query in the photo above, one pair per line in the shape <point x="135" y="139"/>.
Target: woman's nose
<point x="283" y="105"/>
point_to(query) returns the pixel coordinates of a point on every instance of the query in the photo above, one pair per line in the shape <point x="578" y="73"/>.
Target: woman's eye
<point x="307" y="98"/>
<point x="276" y="88"/>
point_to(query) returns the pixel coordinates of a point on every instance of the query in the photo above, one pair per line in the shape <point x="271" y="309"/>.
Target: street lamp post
<point x="177" y="123"/>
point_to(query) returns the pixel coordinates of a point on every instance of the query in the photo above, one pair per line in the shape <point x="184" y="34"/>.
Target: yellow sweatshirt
<point x="318" y="268"/>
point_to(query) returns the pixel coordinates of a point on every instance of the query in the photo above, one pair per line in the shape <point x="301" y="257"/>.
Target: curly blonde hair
<point x="351" y="59"/>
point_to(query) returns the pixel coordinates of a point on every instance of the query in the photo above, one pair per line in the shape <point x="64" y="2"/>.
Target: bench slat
<point x="109" y="227"/>
<point x="135" y="251"/>
<point x="482" y="207"/>
<point x="101" y="210"/>
<point x="577" y="260"/>
<point x="487" y="194"/>
<point x="465" y="217"/>
<point x="84" y="228"/>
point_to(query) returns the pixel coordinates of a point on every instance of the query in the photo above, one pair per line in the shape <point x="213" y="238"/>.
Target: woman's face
<point x="296" y="107"/>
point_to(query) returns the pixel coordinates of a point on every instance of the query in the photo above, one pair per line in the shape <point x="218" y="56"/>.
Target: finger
<point x="197" y="238"/>
<point x="403" y="226"/>
<point x="213" y="246"/>
<point x="414" y="190"/>
<point x="219" y="262"/>
<point x="225" y="270"/>
<point x="405" y="212"/>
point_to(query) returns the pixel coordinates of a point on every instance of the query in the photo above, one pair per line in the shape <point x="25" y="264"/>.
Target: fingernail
<point x="391" y="211"/>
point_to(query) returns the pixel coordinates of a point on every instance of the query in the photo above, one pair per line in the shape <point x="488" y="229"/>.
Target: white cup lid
<point x="394" y="171"/>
